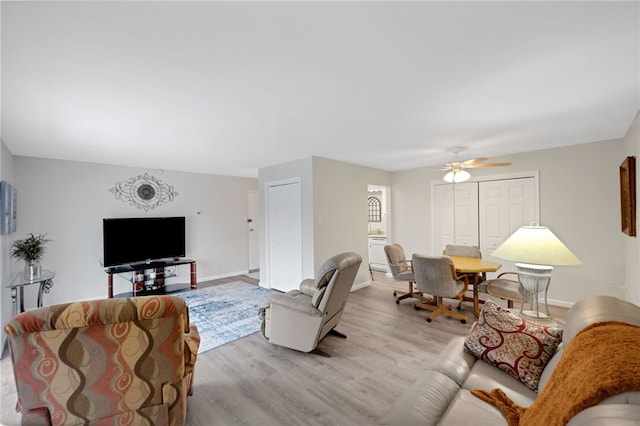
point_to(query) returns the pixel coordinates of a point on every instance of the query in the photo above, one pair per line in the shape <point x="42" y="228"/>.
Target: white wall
<point x="631" y="244"/>
<point x="302" y="169"/>
<point x="579" y="201"/>
<point x="334" y="210"/>
<point x="6" y="308"/>
<point x="341" y="210"/>
<point x="68" y="200"/>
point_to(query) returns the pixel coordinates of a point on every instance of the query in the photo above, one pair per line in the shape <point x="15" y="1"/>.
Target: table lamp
<point x="536" y="250"/>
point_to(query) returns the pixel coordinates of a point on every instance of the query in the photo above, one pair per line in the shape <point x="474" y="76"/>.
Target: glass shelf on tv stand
<point x="146" y="282"/>
<point x="150" y="264"/>
<point x="149" y="277"/>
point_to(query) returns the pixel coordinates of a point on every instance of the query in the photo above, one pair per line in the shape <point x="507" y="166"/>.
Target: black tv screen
<point x="131" y="240"/>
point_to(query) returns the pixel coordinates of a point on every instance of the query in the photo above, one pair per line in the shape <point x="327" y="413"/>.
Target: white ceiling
<point x="230" y="87"/>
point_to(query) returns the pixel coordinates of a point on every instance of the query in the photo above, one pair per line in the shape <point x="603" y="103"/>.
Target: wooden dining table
<point x="478" y="267"/>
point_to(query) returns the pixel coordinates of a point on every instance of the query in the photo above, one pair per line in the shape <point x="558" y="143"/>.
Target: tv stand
<point x="152" y="270"/>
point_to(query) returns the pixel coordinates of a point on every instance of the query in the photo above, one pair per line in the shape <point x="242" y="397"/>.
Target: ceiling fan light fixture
<point x="457" y="176"/>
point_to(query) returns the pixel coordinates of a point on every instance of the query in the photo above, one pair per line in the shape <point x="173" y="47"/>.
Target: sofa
<point x="124" y="361"/>
<point x="457" y="387"/>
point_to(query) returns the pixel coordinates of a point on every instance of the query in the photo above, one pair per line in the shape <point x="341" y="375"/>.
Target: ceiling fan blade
<point x="489" y="165"/>
<point x="473" y="161"/>
<point x="452" y="166"/>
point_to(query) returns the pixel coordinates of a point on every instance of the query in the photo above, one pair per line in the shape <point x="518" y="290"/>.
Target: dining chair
<point x="437" y="277"/>
<point x="474" y="279"/>
<point x="401" y="270"/>
<point x="508" y="289"/>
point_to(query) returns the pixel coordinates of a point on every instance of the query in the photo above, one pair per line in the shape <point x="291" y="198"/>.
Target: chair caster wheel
<point x="395" y="294"/>
<point x="397" y="302"/>
<point x="428" y="319"/>
<point x="459" y="308"/>
<point x="463" y="321"/>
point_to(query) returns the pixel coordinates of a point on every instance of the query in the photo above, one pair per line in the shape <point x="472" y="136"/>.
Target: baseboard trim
<point x="360" y="285"/>
<point x="560" y="303"/>
<point x="227" y="275"/>
<point x="353" y="287"/>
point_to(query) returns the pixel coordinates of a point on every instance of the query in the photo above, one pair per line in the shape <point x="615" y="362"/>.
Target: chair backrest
<point x="335" y="277"/>
<point x="462" y="251"/>
<point x="108" y="358"/>
<point x="433" y="275"/>
<point x="396" y="259"/>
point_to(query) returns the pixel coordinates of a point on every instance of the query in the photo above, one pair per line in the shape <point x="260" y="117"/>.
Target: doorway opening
<point x="379" y="225"/>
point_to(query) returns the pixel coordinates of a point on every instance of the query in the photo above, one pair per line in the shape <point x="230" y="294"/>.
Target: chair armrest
<point x="298" y="304"/>
<point x="308" y="286"/>
<point x="192" y="344"/>
<point x="465" y="279"/>
<point x="507" y="273"/>
<point x="455" y="276"/>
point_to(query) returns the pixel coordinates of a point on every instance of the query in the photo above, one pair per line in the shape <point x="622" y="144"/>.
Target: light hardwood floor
<point x="252" y="382"/>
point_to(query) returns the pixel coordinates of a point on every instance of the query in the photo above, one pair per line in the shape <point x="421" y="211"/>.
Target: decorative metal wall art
<point x="144" y="192"/>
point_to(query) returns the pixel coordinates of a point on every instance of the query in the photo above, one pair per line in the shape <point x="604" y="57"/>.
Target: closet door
<point x="456" y="216"/>
<point x="504" y="206"/>
<point x="284" y="235"/>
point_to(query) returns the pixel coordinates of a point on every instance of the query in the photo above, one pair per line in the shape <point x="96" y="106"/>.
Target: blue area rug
<point x="226" y="312"/>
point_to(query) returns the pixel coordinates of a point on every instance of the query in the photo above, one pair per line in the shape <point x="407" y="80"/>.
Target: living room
<point x="67" y="198"/>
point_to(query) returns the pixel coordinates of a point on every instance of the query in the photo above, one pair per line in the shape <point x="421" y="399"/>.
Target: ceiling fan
<point x="457" y="173"/>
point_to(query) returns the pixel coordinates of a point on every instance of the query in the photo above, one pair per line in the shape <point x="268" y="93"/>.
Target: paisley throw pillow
<point x="513" y="344"/>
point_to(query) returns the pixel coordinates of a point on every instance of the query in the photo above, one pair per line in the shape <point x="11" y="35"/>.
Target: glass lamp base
<point x="538" y="317"/>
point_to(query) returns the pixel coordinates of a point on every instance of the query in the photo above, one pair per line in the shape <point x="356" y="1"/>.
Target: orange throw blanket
<point x="601" y="361"/>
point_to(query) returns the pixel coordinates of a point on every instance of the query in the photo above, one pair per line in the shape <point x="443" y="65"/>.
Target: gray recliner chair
<point x="299" y="319"/>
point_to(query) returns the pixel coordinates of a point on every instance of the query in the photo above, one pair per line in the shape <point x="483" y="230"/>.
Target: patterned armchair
<point x="121" y="361"/>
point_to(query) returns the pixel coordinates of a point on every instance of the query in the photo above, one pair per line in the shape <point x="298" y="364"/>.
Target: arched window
<point x="375" y="209"/>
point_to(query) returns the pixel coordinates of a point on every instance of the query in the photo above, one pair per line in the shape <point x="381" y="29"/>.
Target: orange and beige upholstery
<point x="437" y="276"/>
<point x="401" y="270"/>
<point x="123" y="361"/>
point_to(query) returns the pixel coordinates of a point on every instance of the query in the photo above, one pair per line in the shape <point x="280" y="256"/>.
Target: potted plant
<point x="31" y="250"/>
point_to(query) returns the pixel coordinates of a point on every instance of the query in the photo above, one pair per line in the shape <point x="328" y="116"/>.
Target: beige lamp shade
<point x="536" y="245"/>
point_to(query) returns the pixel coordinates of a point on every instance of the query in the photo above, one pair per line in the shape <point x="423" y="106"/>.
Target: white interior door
<point x="466" y="214"/>
<point x="484" y="213"/>
<point x="505" y="205"/>
<point x="456" y="217"/>
<point x="253" y="234"/>
<point x="443" y="217"/>
<point x="284" y="235"/>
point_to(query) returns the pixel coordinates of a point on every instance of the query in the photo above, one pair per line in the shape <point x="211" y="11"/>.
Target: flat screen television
<point x="132" y="240"/>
